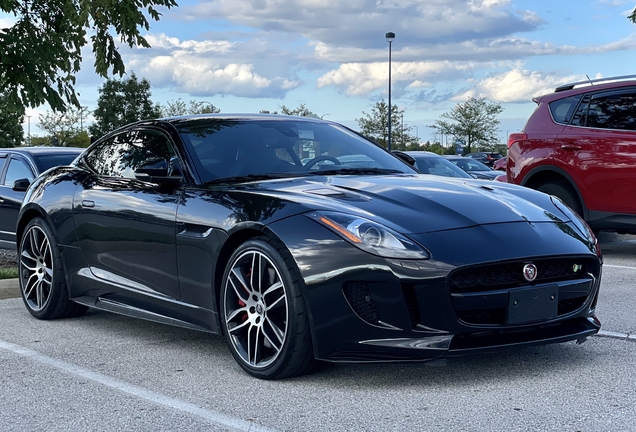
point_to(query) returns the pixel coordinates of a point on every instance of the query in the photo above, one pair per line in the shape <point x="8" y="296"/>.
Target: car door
<point x="600" y="146"/>
<point x="15" y="167"/>
<point x="125" y="226"/>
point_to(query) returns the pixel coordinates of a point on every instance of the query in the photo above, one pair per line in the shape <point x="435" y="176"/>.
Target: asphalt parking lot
<point x="107" y="372"/>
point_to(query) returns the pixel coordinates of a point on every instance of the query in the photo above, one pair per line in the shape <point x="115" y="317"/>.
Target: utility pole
<point x="28" y="130"/>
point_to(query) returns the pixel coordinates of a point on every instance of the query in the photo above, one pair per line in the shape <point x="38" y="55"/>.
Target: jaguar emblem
<point x="530" y="272"/>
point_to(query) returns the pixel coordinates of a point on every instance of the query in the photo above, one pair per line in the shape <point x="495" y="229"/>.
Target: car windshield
<point x="468" y="165"/>
<point x="234" y="148"/>
<point x="437" y="165"/>
<point x="45" y="162"/>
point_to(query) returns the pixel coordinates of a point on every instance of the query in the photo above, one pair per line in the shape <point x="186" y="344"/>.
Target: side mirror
<point x="407" y="159"/>
<point x="21" y="185"/>
<point x="156" y="171"/>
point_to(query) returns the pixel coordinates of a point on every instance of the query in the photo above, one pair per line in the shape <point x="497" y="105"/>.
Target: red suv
<point x="580" y="145"/>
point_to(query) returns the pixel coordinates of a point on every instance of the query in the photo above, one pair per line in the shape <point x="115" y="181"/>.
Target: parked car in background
<point x="432" y="163"/>
<point x="487" y="158"/>
<point x="21" y="163"/>
<point x="212" y="222"/>
<point x="500" y="164"/>
<point x="474" y="168"/>
<point x="580" y="145"/>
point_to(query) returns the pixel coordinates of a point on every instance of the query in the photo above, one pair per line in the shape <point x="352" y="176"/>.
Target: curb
<point x="9" y="288"/>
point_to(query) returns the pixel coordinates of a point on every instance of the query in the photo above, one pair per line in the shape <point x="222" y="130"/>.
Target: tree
<point x="301" y="111"/>
<point x="11" y="132"/>
<point x="63" y="128"/>
<point x="376" y="127"/>
<point x="179" y="108"/>
<point x="42" y="52"/>
<point x="122" y="102"/>
<point x="474" y="122"/>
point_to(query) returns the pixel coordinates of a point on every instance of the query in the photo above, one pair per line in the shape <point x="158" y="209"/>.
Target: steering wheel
<point x="317" y="159"/>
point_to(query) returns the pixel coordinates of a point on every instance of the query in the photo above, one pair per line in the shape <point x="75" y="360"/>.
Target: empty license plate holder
<point x="533" y="304"/>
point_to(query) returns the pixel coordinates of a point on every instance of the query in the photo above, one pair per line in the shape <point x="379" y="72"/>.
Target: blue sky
<point x="331" y="55"/>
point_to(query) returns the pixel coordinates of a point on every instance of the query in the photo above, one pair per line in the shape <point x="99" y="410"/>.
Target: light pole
<point x="402" y="114"/>
<point x="390" y="37"/>
<point x="506" y="138"/>
<point x="28" y="131"/>
<point x="417" y="134"/>
<point x="81" y="113"/>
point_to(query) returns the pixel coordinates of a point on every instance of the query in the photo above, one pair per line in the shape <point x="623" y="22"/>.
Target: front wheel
<point x="263" y="314"/>
<point x="41" y="276"/>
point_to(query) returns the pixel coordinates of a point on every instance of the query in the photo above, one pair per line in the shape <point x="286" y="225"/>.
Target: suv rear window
<point x="563" y="109"/>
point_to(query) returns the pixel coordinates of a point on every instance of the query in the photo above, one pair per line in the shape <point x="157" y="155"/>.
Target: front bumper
<point x="365" y="308"/>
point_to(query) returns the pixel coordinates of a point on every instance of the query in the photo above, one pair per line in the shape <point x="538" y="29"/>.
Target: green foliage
<point x="37" y="141"/>
<point x="632" y="16"/>
<point x="11" y="119"/>
<point x="122" y="102"/>
<point x="42" y="52"/>
<point x="301" y="111"/>
<point x="9" y="273"/>
<point x="474" y="122"/>
<point x="178" y="108"/>
<point x="82" y="139"/>
<point x="64" y="127"/>
<point x="376" y="126"/>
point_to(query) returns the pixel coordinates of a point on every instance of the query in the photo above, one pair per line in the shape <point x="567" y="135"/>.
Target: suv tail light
<point x="516" y="137"/>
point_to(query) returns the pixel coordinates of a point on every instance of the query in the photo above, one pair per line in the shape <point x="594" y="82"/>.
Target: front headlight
<point x="370" y="236"/>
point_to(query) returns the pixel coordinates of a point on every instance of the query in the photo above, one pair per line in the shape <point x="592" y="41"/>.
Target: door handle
<point x="1" y="200"/>
<point x="571" y="147"/>
<point x="88" y="203"/>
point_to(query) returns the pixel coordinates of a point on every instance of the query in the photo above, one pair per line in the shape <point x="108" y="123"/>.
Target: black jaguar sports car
<point x="299" y="241"/>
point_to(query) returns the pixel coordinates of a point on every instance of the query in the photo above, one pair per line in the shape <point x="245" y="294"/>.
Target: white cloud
<point x="358" y="79"/>
<point x="208" y="68"/>
<point x="517" y="85"/>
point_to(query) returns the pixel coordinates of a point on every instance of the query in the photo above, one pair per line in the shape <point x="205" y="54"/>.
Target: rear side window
<point x="614" y="111"/>
<point x="563" y="109"/>
<point x="2" y="161"/>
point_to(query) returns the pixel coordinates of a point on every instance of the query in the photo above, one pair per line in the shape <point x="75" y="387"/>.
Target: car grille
<point x="472" y="288"/>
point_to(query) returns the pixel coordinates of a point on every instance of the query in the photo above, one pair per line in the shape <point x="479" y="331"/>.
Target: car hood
<point x="415" y="203"/>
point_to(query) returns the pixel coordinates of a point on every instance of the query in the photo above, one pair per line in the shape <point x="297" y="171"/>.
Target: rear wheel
<point x="42" y="282"/>
<point x="565" y="192"/>
<point x="263" y="313"/>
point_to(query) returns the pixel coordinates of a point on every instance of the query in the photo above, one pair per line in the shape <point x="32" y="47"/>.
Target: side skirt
<point x="133" y="312"/>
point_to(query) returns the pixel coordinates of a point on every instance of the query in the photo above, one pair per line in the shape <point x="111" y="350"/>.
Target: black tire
<point x="565" y="192"/>
<point x="266" y="312"/>
<point x="41" y="275"/>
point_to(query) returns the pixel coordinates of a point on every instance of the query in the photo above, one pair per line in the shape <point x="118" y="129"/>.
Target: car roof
<point x="240" y="116"/>
<point x="43" y="150"/>
<point x="420" y="153"/>
<point x="579" y="87"/>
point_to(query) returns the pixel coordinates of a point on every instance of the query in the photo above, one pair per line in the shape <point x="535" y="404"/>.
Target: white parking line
<point x="619" y="266"/>
<point x="131" y="389"/>
<point x="616" y="335"/>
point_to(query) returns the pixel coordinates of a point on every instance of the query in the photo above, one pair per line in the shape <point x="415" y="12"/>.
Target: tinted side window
<point x="562" y="110"/>
<point x="122" y="155"/>
<point x="613" y="111"/>
<point x="17" y="170"/>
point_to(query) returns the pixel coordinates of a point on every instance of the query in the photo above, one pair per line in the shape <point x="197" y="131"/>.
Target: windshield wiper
<point x="361" y="170"/>
<point x="253" y="177"/>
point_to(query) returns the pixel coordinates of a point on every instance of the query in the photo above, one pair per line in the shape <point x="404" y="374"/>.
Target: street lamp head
<point x="390" y="37"/>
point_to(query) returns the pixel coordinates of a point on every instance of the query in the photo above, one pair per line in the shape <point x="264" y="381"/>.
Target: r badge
<point x="530" y="272"/>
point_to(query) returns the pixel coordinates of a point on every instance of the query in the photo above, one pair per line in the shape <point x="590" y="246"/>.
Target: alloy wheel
<point x="36" y="268"/>
<point x="256" y="309"/>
